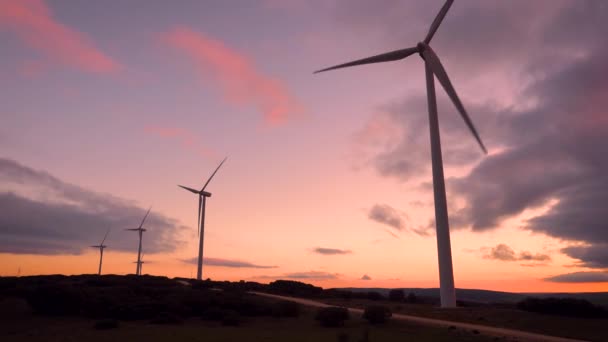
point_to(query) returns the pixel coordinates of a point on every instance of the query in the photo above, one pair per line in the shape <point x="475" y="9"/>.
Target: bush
<point x="106" y="324"/>
<point x="231" y="318"/>
<point x="373" y="295"/>
<point x="166" y="318"/>
<point x="332" y="316"/>
<point x="411" y="298"/>
<point x="563" y="306"/>
<point x="377" y="314"/>
<point x="396" y="295"/>
<point x="286" y="309"/>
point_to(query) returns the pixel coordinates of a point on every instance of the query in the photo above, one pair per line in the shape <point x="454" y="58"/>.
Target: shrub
<point x="373" y="295"/>
<point x="332" y="316"/>
<point x="396" y="295"/>
<point x="106" y="324"/>
<point x="411" y="298"/>
<point x="377" y="314"/>
<point x="286" y="309"/>
<point x="231" y="318"/>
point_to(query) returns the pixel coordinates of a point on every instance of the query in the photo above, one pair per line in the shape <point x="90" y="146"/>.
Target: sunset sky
<point x="107" y="105"/>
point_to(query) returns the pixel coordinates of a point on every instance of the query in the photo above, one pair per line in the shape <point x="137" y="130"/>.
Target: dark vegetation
<point x="563" y="307"/>
<point x="332" y="316"/>
<point x="377" y="314"/>
<point x="159" y="300"/>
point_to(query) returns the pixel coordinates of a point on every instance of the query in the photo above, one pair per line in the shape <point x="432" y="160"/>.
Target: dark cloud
<point x="503" y="252"/>
<point x="366" y="277"/>
<point x="388" y="215"/>
<point x="330" y="251"/>
<point x="226" y="263"/>
<point x="533" y="77"/>
<point x="580" y="277"/>
<point x="60" y="218"/>
<point x="593" y="256"/>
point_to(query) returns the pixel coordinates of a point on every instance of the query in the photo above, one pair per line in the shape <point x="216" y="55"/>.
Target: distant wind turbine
<point x="141" y="231"/>
<point x="202" y="199"/>
<point x="140" y="263"/>
<point x="101" y="247"/>
<point x="433" y="68"/>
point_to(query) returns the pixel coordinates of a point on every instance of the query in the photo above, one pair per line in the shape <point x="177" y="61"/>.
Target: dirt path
<point x="484" y="329"/>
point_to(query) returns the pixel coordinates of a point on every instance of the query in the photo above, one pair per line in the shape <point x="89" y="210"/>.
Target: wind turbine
<point x="433" y="68"/>
<point x="141" y="231"/>
<point x="101" y="247"/>
<point x="202" y="199"/>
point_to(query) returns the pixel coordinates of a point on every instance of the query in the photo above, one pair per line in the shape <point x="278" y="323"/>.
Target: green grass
<point x="581" y="328"/>
<point x="301" y="329"/>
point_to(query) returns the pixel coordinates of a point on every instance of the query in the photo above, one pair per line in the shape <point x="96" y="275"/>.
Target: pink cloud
<point x="184" y="137"/>
<point x="33" y="22"/>
<point x="241" y="83"/>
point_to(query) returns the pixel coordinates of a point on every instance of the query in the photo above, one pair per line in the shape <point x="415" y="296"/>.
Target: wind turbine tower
<point x="433" y="68"/>
<point x="101" y="247"/>
<point x="140" y="230"/>
<point x="202" y="200"/>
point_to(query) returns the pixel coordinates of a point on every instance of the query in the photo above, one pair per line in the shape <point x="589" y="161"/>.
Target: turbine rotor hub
<point x="421" y="47"/>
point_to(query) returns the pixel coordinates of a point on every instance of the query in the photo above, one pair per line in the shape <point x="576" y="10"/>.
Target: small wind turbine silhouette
<point x="433" y="68"/>
<point x="101" y="247"/>
<point x="202" y="199"/>
<point x="141" y="231"/>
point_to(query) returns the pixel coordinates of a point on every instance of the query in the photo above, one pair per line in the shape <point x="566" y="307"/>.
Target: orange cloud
<point x="186" y="138"/>
<point x="33" y="22"/>
<point x="241" y="82"/>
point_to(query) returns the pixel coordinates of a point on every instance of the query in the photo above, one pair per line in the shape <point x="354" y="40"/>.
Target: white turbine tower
<point x="141" y="231"/>
<point x="202" y="199"/>
<point x="101" y="247"/>
<point x="433" y="68"/>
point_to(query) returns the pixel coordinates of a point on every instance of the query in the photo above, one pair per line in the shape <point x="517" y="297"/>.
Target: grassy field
<point x="581" y="328"/>
<point x="301" y="329"/>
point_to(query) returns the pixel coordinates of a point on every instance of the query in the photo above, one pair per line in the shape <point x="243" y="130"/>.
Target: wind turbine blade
<point x="385" y="57"/>
<point x="95" y="246"/>
<point x="104" y="238"/>
<point x="189" y="189"/>
<point x="435" y="64"/>
<point x="144" y="220"/>
<point x="200" y="206"/>
<point x="132" y="229"/>
<point x="437" y="21"/>
<point x="213" y="174"/>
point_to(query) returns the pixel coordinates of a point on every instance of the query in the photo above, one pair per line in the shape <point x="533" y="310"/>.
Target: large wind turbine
<point x="101" y="247"/>
<point x="433" y="68"/>
<point x="202" y="199"/>
<point x="141" y="231"/>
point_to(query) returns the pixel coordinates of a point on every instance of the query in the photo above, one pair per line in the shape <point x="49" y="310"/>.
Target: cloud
<point x="580" y="277"/>
<point x="33" y="22"/>
<point x="366" y="277"/>
<point x="385" y="214"/>
<point x="316" y="275"/>
<point x="60" y="218"/>
<point x="503" y="252"/>
<point x="241" y="83"/>
<point x="330" y="251"/>
<point x="592" y="256"/>
<point x="226" y="263"/>
<point x="186" y="138"/>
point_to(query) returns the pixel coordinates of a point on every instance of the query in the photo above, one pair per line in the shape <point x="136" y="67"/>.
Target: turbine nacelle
<point x="205" y="193"/>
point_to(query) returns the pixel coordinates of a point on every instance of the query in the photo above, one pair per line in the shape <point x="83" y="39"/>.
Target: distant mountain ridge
<point x="488" y="296"/>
